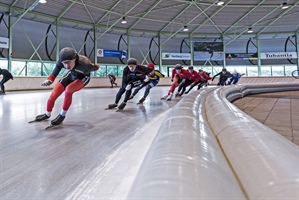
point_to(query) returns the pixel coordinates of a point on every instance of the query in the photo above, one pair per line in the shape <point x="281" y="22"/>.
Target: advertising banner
<point x="241" y="56"/>
<point x="206" y="56"/>
<point x="4" y="42"/>
<point x="111" y="53"/>
<point x="208" y="46"/>
<point x="279" y="55"/>
<point x="176" y="56"/>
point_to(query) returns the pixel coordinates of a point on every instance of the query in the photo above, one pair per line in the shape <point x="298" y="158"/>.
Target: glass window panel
<point x="48" y="68"/>
<point x="120" y="70"/>
<point x="277" y="71"/>
<point x="3" y="64"/>
<point x="290" y="69"/>
<point x="266" y="71"/>
<point x="112" y="70"/>
<point x="102" y="71"/>
<point x="33" y="69"/>
<point x="18" y="68"/>
<point x="252" y="71"/>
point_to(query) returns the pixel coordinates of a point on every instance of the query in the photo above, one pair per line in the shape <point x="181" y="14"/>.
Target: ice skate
<point x="58" y="120"/>
<point x="177" y="94"/>
<point x="131" y="97"/>
<point x="162" y="98"/>
<point x="122" y="106"/>
<point x="39" y="118"/>
<point x="141" y="101"/>
<point x="110" y="106"/>
<point x="169" y="97"/>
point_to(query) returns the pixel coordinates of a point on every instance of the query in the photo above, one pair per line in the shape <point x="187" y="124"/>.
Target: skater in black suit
<point x="6" y="77"/>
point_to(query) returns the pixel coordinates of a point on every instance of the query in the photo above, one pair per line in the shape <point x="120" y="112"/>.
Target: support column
<point x="297" y="48"/>
<point x="129" y="44"/>
<point x="95" y="43"/>
<point x="10" y="37"/>
<point x="191" y="49"/>
<point x="57" y="39"/>
<point x="160" y="52"/>
<point x="259" y="70"/>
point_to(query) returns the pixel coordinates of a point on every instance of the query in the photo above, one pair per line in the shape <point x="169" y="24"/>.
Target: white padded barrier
<point x="185" y="160"/>
<point x="266" y="163"/>
<point x="206" y="148"/>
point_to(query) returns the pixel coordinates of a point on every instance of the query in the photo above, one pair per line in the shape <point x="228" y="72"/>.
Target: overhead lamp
<point x="43" y="1"/>
<point x="124" y="21"/>
<point x="185" y="28"/>
<point x="249" y="30"/>
<point x="284" y="5"/>
<point x="220" y="3"/>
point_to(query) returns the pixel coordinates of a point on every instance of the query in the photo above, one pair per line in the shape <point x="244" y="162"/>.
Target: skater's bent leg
<point x="127" y="95"/>
<point x="56" y="92"/>
<point x="119" y="94"/>
<point x="69" y="91"/>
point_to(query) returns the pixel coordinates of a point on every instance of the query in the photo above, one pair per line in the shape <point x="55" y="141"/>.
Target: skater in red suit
<point x="178" y="75"/>
<point x="77" y="76"/>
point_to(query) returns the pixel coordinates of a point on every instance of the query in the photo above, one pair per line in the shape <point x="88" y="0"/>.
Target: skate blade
<point x="110" y="108"/>
<point x="139" y="103"/>
<point x="51" y="126"/>
<point x="33" y="121"/>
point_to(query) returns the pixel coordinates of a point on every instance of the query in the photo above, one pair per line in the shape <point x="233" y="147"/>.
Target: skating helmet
<point x="224" y="70"/>
<point x="132" y="61"/>
<point x="178" y="66"/>
<point x="151" y="65"/>
<point x="67" y="53"/>
<point x="190" y="67"/>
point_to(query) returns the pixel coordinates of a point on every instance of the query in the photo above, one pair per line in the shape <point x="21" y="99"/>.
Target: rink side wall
<point x="34" y="83"/>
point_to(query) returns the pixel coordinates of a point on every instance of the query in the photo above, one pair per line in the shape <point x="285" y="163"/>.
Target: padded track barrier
<point x="206" y="148"/>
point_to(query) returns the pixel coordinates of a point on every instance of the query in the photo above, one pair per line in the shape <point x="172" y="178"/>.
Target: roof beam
<point x="278" y="17"/>
<point x="252" y="25"/>
<point x="88" y="11"/>
<point x="108" y="12"/>
<point x="66" y="9"/>
<point x="26" y="11"/>
<point x="236" y="22"/>
<point x="145" y="14"/>
<point x="175" y="17"/>
<point x="217" y="11"/>
<point x="202" y="11"/>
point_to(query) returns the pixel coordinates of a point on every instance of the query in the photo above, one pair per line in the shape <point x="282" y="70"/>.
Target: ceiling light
<point x="43" y="1"/>
<point x="249" y="30"/>
<point x="124" y="21"/>
<point x="185" y="28"/>
<point x="284" y="5"/>
<point x="220" y="3"/>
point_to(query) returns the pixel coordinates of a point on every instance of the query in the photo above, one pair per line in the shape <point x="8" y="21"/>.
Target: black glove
<point x="46" y="83"/>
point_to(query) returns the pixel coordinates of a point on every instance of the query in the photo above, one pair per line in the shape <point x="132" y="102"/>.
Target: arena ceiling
<point x="202" y="17"/>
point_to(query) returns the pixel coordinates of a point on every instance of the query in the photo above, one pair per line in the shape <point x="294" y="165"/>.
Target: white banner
<point x="176" y="56"/>
<point x="4" y="42"/>
<point x="279" y="55"/>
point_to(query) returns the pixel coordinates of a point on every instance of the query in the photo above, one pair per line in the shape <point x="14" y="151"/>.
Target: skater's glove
<point x="128" y="87"/>
<point x="46" y="83"/>
<point x="146" y="80"/>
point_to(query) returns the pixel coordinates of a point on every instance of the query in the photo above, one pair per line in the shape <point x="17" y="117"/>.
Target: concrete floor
<point x="279" y="111"/>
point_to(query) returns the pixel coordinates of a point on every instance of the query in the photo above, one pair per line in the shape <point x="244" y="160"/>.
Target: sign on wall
<point x="279" y="55"/>
<point x="4" y="42"/>
<point x="111" y="53"/>
<point x="241" y="56"/>
<point x="176" y="56"/>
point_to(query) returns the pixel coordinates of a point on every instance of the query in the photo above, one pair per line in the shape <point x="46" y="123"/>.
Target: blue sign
<point x="112" y="53"/>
